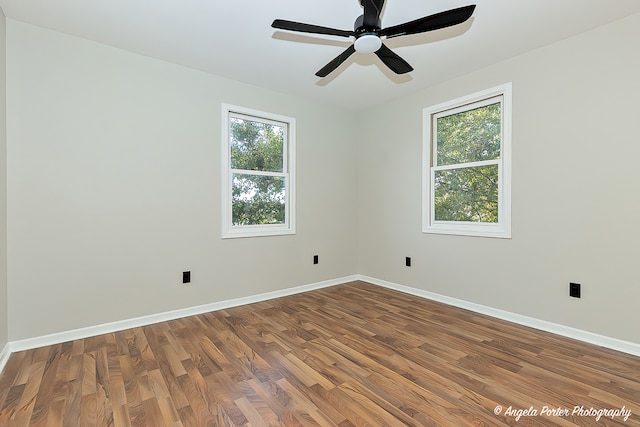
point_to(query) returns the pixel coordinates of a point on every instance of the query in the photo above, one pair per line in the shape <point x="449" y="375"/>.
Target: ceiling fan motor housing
<point x="367" y="39"/>
<point x="359" y="27"/>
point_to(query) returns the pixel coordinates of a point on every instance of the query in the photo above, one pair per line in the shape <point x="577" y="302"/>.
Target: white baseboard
<point x="56" y="338"/>
<point x="106" y="328"/>
<point x="543" y="325"/>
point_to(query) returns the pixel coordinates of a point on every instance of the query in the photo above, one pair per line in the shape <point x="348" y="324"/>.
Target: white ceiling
<point x="234" y="38"/>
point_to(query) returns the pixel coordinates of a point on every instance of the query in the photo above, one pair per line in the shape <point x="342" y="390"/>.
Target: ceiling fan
<point x="368" y="33"/>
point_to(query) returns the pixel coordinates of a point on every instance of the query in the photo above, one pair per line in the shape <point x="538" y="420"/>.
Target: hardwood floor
<point x="349" y="355"/>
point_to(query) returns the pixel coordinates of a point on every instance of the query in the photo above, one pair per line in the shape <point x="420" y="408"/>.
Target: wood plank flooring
<point x="349" y="355"/>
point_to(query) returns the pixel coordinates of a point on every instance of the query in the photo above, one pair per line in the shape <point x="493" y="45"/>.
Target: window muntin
<point x="466" y="172"/>
<point x="258" y="154"/>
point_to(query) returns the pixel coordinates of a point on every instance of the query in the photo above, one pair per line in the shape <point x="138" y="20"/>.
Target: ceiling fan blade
<point x="372" y="10"/>
<point x="281" y="24"/>
<point x="393" y="61"/>
<point x="430" y="23"/>
<point x="335" y="62"/>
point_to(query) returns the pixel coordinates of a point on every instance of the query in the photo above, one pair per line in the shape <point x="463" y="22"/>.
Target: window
<point x="467" y="165"/>
<point x="258" y="154"/>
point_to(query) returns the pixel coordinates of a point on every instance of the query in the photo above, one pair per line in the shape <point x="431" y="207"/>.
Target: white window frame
<point x="289" y="155"/>
<point x="501" y="229"/>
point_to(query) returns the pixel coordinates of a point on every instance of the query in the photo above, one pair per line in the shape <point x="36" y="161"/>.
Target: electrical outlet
<point x="315" y="259"/>
<point x="407" y="261"/>
<point x="574" y="290"/>
<point x="186" y="277"/>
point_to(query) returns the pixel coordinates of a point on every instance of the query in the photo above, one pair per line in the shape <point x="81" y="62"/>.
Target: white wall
<point x="576" y="189"/>
<point x="3" y="188"/>
<point x="114" y="188"/>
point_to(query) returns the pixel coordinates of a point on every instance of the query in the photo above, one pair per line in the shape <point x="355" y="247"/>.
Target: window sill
<point x="238" y="233"/>
<point x="490" y="231"/>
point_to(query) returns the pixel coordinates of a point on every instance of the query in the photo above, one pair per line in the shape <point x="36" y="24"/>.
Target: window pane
<point x="469" y="136"/>
<point x="258" y="200"/>
<point x="467" y="194"/>
<point x="256" y="145"/>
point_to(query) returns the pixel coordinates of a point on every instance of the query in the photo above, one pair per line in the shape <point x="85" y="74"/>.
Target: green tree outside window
<point x="258" y="163"/>
<point x="466" y="174"/>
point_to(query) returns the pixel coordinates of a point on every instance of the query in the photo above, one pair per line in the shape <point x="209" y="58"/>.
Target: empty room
<point x="341" y="213"/>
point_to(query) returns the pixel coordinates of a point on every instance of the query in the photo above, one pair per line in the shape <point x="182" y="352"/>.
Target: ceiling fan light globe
<point x="367" y="43"/>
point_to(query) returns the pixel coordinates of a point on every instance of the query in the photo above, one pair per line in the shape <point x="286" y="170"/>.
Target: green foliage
<point x="257" y="198"/>
<point x="469" y="136"/>
<point x="256" y="146"/>
<point x="468" y="193"/>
